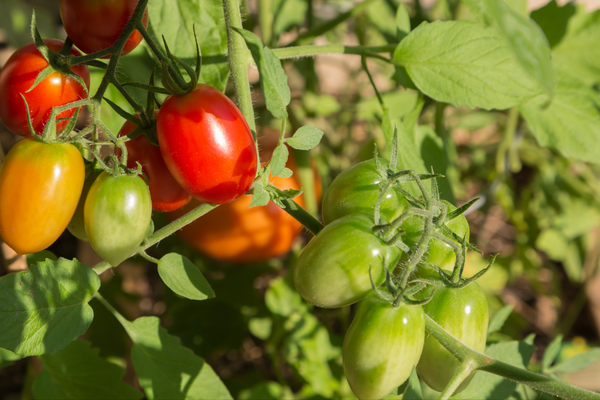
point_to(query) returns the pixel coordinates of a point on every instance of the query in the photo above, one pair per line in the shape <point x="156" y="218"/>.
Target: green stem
<point x="302" y="216"/>
<point x="486" y="363"/>
<point x="509" y="135"/>
<point x="265" y="9"/>
<point x="461" y="374"/>
<point x="327" y="26"/>
<point x="311" y="51"/>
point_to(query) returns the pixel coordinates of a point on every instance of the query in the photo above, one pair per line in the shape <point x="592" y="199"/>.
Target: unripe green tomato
<point x="333" y="269"/>
<point x="382" y="346"/>
<point x="117" y="214"/>
<point x="76" y="225"/>
<point x="463" y="313"/>
<point x="438" y="252"/>
<point x="356" y="190"/>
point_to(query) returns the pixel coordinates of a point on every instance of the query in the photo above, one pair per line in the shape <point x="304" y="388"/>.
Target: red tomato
<point x="207" y="145"/>
<point x="166" y="193"/>
<point x="40" y="185"/>
<point x="233" y="232"/>
<point x="95" y="25"/>
<point x="18" y="75"/>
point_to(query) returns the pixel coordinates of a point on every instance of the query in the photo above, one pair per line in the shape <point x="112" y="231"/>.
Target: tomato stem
<point x="310" y="51"/>
<point x="466" y="367"/>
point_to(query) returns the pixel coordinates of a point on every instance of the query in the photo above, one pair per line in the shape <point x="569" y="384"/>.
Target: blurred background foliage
<point x="537" y="209"/>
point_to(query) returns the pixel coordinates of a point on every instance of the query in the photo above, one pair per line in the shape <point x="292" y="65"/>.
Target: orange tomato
<point x="233" y="232"/>
<point x="40" y="186"/>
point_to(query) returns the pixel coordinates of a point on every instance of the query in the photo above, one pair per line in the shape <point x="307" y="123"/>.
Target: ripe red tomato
<point x="166" y="193"/>
<point x="235" y="233"/>
<point x="207" y="145"/>
<point x="40" y="185"/>
<point x="18" y="75"/>
<point x="95" y="25"/>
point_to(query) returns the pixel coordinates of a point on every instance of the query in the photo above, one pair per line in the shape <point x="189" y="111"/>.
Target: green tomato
<point x="463" y="313"/>
<point x="117" y="214"/>
<point x="382" y="346"/>
<point x="333" y="269"/>
<point x="76" y="225"/>
<point x="356" y="190"/>
<point x="438" y="252"/>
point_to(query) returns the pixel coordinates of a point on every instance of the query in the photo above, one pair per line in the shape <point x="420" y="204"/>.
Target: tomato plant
<point x="463" y="313"/>
<point x="166" y="193"/>
<point x="382" y="346"/>
<point x="40" y="185"/>
<point x="207" y="145"/>
<point x="117" y="214"/>
<point x="235" y="233"/>
<point x="95" y="25"/>
<point x="57" y="89"/>
<point x="438" y="252"/>
<point x="356" y="190"/>
<point x="333" y="269"/>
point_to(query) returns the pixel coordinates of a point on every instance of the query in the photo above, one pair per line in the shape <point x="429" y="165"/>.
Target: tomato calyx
<point x="172" y="78"/>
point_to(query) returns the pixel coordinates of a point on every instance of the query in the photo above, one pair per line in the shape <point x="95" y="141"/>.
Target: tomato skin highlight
<point x="95" y="25"/>
<point x="438" y="252"/>
<point x="207" y="145"/>
<point x="19" y="74"/>
<point x="333" y="269"/>
<point x="166" y="193"/>
<point x="117" y="214"/>
<point x="381" y="347"/>
<point x="356" y="190"/>
<point x="463" y="313"/>
<point x="40" y="185"/>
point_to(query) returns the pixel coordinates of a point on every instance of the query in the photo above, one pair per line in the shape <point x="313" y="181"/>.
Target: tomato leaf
<point x="551" y="352"/>
<point x="175" y="19"/>
<point x="464" y="63"/>
<point x="578" y="53"/>
<point x="46" y="308"/>
<point x="260" y="195"/>
<point x="498" y="319"/>
<point x="526" y="40"/>
<point x="413" y="389"/>
<point x="578" y="362"/>
<point x="279" y="159"/>
<point x="571" y="123"/>
<point x="184" y="278"/>
<point x="305" y="138"/>
<point x="273" y="80"/>
<point x="402" y="21"/>
<point x="168" y="370"/>
<point x="7" y="357"/>
<point x="66" y="376"/>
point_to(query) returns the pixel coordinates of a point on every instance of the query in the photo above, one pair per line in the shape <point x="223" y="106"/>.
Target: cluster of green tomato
<point x="352" y="255"/>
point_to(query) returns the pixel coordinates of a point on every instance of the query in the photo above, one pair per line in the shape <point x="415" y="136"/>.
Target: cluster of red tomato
<point x="384" y="343"/>
<point x="206" y="149"/>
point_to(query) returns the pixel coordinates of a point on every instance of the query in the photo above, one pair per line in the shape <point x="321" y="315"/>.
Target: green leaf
<point x="288" y="13"/>
<point x="305" y="138"/>
<point x="578" y="54"/>
<point x="40" y="256"/>
<point x="553" y="243"/>
<point x="184" y="278"/>
<point x="44" y="309"/>
<point x="273" y="80"/>
<point x="279" y="159"/>
<point x="499" y="318"/>
<point x="489" y="386"/>
<point x="413" y="390"/>
<point x="464" y="63"/>
<point x="578" y="362"/>
<point x="260" y="196"/>
<point x="551" y="352"/>
<point x="174" y="20"/>
<point x="282" y="300"/>
<point x="78" y="372"/>
<point x="166" y="369"/>
<point x="7" y="357"/>
<point x="402" y="22"/>
<point x="570" y="124"/>
<point x="554" y="20"/>
<point x="527" y="42"/>
<point x="266" y="391"/>
<point x="476" y="7"/>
